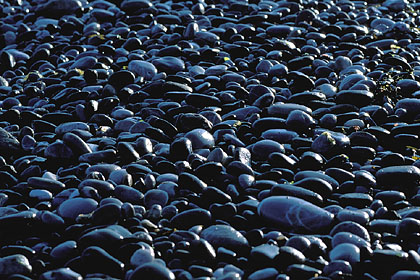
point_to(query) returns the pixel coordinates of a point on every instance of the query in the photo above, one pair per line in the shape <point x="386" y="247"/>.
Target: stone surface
<point x="295" y="214"/>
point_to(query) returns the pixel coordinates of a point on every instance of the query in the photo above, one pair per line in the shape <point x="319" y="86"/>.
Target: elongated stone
<point x="295" y="214"/>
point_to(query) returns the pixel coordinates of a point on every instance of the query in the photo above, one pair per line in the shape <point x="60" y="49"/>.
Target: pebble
<point x="152" y="270"/>
<point x="198" y="140"/>
<point x="345" y="252"/>
<point x="295" y="214"/>
<point x="61" y="273"/>
<point x="169" y="64"/>
<point x="73" y="207"/>
<point x="227" y="237"/>
<point x="14" y="264"/>
<point x="142" y="68"/>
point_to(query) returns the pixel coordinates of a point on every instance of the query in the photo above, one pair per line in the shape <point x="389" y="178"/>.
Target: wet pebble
<point x="295" y="214"/>
<point x="227" y="237"/>
<point x="73" y="207"/>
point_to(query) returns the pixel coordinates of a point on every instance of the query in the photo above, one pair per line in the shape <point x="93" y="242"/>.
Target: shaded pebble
<point x="14" y="264"/>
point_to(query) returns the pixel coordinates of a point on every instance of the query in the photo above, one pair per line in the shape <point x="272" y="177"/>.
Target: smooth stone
<point x="155" y="196"/>
<point x="63" y="273"/>
<point x="96" y="259"/>
<point x="287" y="256"/>
<point x="65" y="250"/>
<point x="14" y="264"/>
<point x="408" y="86"/>
<point x="143" y="69"/>
<point x="133" y="5"/>
<point x="264" y="253"/>
<point x="392" y="176"/>
<point x="142" y="256"/>
<point x="317" y="174"/>
<point x="100" y="156"/>
<point x="121" y="78"/>
<point x="104" y="168"/>
<point x="358" y="98"/>
<point x="84" y="63"/>
<point x="357" y="216"/>
<point x="337" y="266"/>
<point x="350" y="227"/>
<point x="40" y="195"/>
<point x="189" y="121"/>
<point x="406" y="275"/>
<point x="200" y="138"/>
<point x="264" y="274"/>
<point x="280" y="135"/>
<point x="242" y="113"/>
<point x="330" y="142"/>
<point x="104" y="188"/>
<point x="4" y="211"/>
<point x="216" y="70"/>
<point x="317" y="185"/>
<point x="264" y="66"/>
<point x="411" y="105"/>
<point x="70" y="126"/>
<point x="279" y="30"/>
<point x="121" y="177"/>
<point x="58" y="150"/>
<point x="407" y="227"/>
<point x="350" y="80"/>
<point x="396" y="5"/>
<point x="73" y="207"/>
<point x="8" y="143"/>
<point x="278" y="70"/>
<point x="106" y="238"/>
<point x="296" y="191"/>
<point x="51" y="185"/>
<point x="76" y="143"/>
<point x="295" y="214"/>
<point x="106" y="214"/>
<point x="57" y="8"/>
<point x="282" y="110"/>
<point x="263" y="148"/>
<point x="384" y="225"/>
<point x="345" y="252"/>
<point x="152" y="270"/>
<point x="227" y="237"/>
<point x="190" y="218"/>
<point x="128" y="194"/>
<point x="298" y="120"/>
<point x="296" y="271"/>
<point x="169" y="64"/>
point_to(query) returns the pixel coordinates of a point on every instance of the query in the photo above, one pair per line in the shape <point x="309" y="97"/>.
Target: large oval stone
<point x="403" y="175"/>
<point x="73" y="207"/>
<point x="295" y="214"/>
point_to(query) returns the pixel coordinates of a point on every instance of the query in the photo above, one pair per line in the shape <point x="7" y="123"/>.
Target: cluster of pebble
<point x="261" y="140"/>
